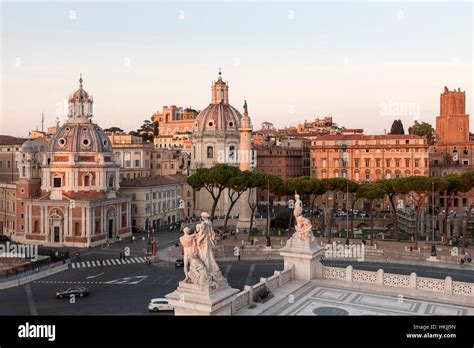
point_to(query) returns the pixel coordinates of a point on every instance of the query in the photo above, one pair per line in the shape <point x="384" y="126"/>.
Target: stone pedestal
<point x="303" y="255"/>
<point x="188" y="299"/>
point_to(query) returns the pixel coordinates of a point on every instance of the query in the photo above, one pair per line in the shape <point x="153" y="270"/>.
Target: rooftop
<point x="9" y="140"/>
<point x="149" y="181"/>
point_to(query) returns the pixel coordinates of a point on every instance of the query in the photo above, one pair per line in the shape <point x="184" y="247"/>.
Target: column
<point x="88" y="221"/>
<point x="83" y="219"/>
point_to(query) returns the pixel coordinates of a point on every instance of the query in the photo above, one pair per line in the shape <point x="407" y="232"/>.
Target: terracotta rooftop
<point x="147" y="181"/>
<point x="9" y="140"/>
<point x="367" y="137"/>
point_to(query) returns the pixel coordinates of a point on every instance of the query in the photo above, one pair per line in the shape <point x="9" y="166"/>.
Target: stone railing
<point x="412" y="281"/>
<point x="245" y="297"/>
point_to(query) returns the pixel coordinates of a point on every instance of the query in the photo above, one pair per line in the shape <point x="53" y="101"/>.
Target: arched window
<point x="87" y="180"/>
<point x="23" y="171"/>
<point x="210" y="152"/>
<point x="111" y="181"/>
<point x="231" y="152"/>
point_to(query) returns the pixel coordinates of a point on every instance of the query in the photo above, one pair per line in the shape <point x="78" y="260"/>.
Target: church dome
<point x="80" y="137"/>
<point x="29" y="146"/>
<point x="79" y="134"/>
<point x="218" y="117"/>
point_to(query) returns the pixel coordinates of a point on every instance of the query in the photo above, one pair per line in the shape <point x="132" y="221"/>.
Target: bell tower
<point x="452" y="124"/>
<point x="220" y="91"/>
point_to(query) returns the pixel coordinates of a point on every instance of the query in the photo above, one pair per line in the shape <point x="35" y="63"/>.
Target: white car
<point x="159" y="304"/>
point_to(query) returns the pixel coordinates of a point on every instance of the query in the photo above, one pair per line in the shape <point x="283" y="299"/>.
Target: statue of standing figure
<point x="200" y="266"/>
<point x="303" y="225"/>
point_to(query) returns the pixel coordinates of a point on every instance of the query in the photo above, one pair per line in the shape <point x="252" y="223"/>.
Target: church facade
<point x="69" y="195"/>
<point x="220" y="135"/>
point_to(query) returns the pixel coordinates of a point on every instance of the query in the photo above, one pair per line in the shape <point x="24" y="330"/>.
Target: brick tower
<point x="452" y="124"/>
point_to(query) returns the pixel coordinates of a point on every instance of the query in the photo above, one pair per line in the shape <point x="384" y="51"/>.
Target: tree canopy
<point x="423" y="129"/>
<point x="397" y="127"/>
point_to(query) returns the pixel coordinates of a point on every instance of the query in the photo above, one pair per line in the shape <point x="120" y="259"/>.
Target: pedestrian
<point x="108" y="243"/>
<point x="120" y="256"/>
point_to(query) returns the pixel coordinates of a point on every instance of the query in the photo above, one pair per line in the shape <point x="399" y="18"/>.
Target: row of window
<point x="378" y="162"/>
<point x="5" y="164"/>
<point x="367" y="175"/>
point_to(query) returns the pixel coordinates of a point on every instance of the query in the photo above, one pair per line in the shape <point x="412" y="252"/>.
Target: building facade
<point x="216" y="139"/>
<point x="132" y="155"/>
<point x="69" y="196"/>
<point x="156" y="201"/>
<point x="366" y="158"/>
<point x="9" y="147"/>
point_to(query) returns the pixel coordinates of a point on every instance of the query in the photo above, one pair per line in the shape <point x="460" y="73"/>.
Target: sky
<point x="363" y="63"/>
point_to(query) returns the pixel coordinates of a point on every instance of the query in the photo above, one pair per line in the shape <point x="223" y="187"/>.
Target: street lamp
<point x="347" y="211"/>
<point x="433" y="247"/>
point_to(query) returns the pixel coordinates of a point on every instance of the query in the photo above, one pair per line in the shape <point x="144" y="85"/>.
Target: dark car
<point x="4" y="238"/>
<point x="77" y="292"/>
<point x="179" y="263"/>
<point x="136" y="229"/>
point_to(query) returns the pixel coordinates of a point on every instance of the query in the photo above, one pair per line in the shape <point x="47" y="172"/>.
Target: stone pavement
<point x="317" y="298"/>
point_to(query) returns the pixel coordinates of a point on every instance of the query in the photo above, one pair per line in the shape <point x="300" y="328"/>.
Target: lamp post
<point x="433" y="247"/>
<point x="268" y="209"/>
<point x="347" y="211"/>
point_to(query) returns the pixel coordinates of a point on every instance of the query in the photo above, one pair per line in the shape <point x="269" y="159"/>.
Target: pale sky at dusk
<point x="357" y="61"/>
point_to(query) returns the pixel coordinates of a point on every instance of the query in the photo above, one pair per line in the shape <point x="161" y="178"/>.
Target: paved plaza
<point x="317" y="299"/>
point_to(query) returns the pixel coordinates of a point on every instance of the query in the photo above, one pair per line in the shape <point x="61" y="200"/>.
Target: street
<point x="119" y="287"/>
<point x="116" y="290"/>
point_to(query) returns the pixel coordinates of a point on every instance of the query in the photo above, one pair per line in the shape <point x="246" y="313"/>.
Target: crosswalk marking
<point x="108" y="262"/>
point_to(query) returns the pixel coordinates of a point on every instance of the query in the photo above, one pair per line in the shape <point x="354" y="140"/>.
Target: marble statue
<point x="187" y="241"/>
<point x="200" y="266"/>
<point x="303" y="225"/>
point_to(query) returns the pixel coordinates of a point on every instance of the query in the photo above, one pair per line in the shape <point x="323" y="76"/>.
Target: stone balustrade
<point x="245" y="297"/>
<point x="412" y="281"/>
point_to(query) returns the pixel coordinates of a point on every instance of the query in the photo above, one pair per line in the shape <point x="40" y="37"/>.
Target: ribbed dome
<point x="29" y="146"/>
<point x="218" y="117"/>
<point x="80" y="137"/>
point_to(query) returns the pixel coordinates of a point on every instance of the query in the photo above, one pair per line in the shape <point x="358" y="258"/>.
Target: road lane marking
<point x="133" y="260"/>
<point x="113" y="262"/>
<point x="227" y="270"/>
<point x="31" y="301"/>
<point x="95" y="276"/>
<point x="88" y="264"/>
<point x="108" y="262"/>
<point x="73" y="265"/>
<point x="83" y="264"/>
<point x="248" y="281"/>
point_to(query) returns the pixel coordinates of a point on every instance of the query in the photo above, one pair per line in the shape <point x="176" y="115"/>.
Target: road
<point x="116" y="290"/>
<point x="125" y="289"/>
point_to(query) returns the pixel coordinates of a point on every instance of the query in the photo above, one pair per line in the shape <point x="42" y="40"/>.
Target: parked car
<point x="159" y="304"/>
<point x="179" y="263"/>
<point x="136" y="229"/>
<point x="4" y="238"/>
<point x="77" y="292"/>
